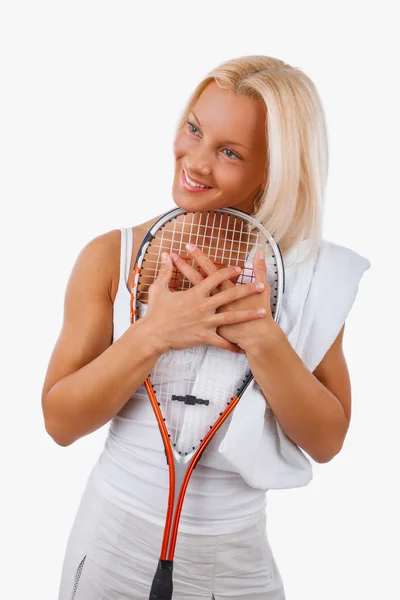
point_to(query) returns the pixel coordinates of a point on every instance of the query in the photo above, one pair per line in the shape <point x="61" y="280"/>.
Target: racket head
<point x="193" y="389"/>
<point x="224" y="235"/>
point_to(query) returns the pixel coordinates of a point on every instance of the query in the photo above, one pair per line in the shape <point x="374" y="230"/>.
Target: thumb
<point x="165" y="272"/>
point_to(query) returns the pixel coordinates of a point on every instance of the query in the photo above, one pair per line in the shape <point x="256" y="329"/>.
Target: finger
<point x="202" y="260"/>
<point x="218" y="277"/>
<point x="236" y="316"/>
<point x="187" y="270"/>
<point x="259" y="265"/>
<point x="220" y="342"/>
<point x="205" y="263"/>
<point x="234" y="293"/>
<point x="165" y="272"/>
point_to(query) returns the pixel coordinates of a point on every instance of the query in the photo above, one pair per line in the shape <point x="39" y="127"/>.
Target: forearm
<point x="310" y="415"/>
<point x="85" y="400"/>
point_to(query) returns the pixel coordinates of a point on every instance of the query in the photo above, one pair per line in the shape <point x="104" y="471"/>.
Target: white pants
<point x="113" y="555"/>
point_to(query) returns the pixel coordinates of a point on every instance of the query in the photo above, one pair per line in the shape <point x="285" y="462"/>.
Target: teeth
<point x="192" y="182"/>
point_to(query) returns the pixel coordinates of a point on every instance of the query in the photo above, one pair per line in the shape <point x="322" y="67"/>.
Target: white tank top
<point x="132" y="471"/>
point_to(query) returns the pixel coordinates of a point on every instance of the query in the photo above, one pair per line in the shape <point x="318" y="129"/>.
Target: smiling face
<point x="222" y="146"/>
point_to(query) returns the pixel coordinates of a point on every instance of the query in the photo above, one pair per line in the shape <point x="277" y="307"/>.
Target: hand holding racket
<point x="193" y="396"/>
<point x="243" y="334"/>
<point x="187" y="318"/>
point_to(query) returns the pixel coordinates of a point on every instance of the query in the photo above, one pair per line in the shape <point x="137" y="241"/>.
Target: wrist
<point x="269" y="336"/>
<point x="151" y="342"/>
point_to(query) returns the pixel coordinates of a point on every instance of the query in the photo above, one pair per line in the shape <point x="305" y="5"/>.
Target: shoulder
<point x="103" y="245"/>
<point x="330" y="297"/>
<point x="340" y="265"/>
<point x="98" y="262"/>
<point x="329" y="250"/>
<point x="326" y="254"/>
<point x="101" y="256"/>
<point x="337" y="274"/>
<point x="104" y="252"/>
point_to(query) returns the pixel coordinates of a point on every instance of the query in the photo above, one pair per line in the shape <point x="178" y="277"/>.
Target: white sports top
<point x="132" y="471"/>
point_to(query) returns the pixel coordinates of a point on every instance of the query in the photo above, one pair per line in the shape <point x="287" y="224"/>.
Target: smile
<point x="192" y="186"/>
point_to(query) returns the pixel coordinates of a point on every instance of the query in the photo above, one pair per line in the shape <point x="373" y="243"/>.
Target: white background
<point x="91" y="93"/>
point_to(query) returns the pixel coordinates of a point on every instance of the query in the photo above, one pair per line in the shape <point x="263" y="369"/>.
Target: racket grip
<point x="161" y="588"/>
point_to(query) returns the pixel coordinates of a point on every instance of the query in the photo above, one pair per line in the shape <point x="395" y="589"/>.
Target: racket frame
<point x="181" y="466"/>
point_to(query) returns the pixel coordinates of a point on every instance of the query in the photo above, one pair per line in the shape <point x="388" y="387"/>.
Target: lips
<point x="191" y="188"/>
<point x="195" y="180"/>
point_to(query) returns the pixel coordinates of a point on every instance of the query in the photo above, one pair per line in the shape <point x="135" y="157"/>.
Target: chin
<point x="192" y="206"/>
<point x="184" y="204"/>
<point x="194" y="203"/>
<point x="189" y="203"/>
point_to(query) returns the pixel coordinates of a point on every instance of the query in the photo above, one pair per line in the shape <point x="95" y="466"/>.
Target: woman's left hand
<point x="248" y="334"/>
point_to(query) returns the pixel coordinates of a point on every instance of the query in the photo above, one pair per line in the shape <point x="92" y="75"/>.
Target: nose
<point x="197" y="161"/>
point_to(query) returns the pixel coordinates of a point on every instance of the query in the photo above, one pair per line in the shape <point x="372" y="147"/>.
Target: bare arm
<point x="89" y="379"/>
<point x="312" y="408"/>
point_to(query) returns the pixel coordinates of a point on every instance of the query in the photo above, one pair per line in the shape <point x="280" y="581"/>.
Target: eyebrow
<point x="226" y="141"/>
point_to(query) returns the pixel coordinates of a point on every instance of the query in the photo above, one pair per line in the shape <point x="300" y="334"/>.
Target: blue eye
<point x="233" y="155"/>
<point x="191" y="125"/>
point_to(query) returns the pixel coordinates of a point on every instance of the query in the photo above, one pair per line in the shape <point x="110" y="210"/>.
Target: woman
<point x="252" y="137"/>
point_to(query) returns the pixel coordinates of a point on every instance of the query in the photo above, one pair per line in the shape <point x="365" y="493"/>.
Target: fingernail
<point x="259" y="286"/>
<point x="173" y="256"/>
<point x="164" y="257"/>
<point x="190" y="247"/>
<point x="261" y="311"/>
<point x="261" y="254"/>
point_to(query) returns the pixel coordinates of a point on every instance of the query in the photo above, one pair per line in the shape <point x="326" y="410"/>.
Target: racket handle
<point x="161" y="588"/>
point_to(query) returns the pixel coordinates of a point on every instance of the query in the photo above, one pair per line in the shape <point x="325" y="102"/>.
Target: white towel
<point x="318" y="297"/>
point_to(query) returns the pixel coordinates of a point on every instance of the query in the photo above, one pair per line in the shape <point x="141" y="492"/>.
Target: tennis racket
<point x="193" y="392"/>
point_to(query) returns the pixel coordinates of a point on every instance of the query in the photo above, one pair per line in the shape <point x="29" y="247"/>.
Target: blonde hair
<point x="291" y="205"/>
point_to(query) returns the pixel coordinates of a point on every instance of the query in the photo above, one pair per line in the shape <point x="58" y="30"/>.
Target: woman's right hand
<point x="179" y="320"/>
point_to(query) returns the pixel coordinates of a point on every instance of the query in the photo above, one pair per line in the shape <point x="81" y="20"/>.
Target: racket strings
<point x="207" y="381"/>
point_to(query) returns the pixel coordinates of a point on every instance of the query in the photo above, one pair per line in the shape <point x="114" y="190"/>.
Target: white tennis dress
<point x="112" y="552"/>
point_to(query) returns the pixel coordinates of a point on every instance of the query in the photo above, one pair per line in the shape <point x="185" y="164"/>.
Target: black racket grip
<point x="161" y="588"/>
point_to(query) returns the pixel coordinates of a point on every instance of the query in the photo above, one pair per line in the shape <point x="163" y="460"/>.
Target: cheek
<point x="181" y="145"/>
<point x="233" y="180"/>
